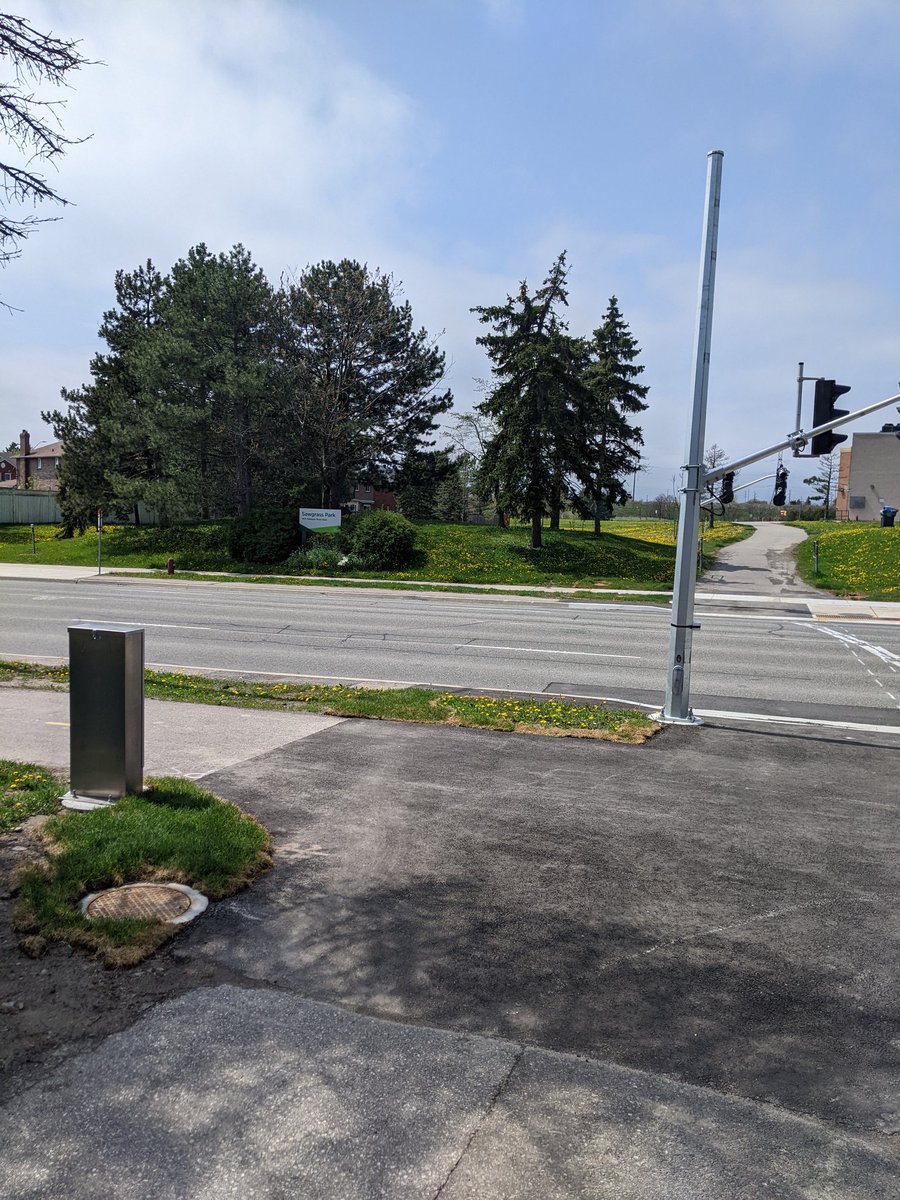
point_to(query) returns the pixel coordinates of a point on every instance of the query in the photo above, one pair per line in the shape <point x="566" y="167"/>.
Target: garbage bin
<point x="106" y="713"/>
<point x="887" y="516"/>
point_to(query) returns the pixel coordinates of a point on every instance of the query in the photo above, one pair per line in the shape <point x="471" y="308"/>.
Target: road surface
<point x="761" y="660"/>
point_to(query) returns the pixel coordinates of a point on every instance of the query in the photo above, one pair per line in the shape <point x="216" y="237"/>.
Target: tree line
<point x="218" y="393"/>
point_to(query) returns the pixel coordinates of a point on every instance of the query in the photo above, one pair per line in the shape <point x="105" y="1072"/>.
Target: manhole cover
<point x="172" y="903"/>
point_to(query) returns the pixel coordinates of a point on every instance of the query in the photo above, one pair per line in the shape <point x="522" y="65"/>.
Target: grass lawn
<point x="856" y="558"/>
<point x="176" y="832"/>
<point x="26" y="791"/>
<point x="629" y="554"/>
<point x="423" y="705"/>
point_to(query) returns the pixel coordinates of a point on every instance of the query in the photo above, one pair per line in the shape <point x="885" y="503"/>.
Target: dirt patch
<point x="56" y="1001"/>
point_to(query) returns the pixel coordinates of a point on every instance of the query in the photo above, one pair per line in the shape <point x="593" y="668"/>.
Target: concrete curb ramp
<point x="229" y="1092"/>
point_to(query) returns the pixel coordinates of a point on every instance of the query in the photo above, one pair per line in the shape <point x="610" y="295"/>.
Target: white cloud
<point x="216" y="122"/>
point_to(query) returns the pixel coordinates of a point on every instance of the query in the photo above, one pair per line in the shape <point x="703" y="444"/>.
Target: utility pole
<point x="676" y="709"/>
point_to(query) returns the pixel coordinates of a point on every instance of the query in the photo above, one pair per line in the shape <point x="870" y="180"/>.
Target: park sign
<point x="324" y="520"/>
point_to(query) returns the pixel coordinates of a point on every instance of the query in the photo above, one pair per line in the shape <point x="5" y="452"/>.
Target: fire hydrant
<point x="170" y="566"/>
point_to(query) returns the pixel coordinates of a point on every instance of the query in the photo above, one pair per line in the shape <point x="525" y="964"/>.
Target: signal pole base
<point x="665" y="719"/>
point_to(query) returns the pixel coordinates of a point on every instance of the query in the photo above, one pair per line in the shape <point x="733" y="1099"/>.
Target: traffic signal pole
<point x="797" y="440"/>
<point x="676" y="709"/>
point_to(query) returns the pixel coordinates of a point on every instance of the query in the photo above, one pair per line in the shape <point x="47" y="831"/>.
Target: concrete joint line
<point x="501" y="1088"/>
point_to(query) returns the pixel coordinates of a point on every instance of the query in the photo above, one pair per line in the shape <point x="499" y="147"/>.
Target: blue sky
<point x="461" y="144"/>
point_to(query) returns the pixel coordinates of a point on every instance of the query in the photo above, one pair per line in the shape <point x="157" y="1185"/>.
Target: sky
<point x="460" y="145"/>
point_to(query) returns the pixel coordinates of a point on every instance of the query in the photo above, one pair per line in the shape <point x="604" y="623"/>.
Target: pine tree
<point x="538" y="388"/>
<point x="211" y="371"/>
<point x="360" y="382"/>
<point x="609" y="444"/>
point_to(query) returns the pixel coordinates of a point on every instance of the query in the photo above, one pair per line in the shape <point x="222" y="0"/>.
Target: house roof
<point x="50" y="450"/>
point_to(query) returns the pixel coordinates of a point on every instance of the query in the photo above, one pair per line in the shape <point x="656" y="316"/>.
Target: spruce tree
<point x="609" y="444"/>
<point x="538" y="390"/>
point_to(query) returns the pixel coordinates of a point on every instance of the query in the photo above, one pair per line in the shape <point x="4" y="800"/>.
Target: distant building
<point x="868" y="476"/>
<point x="8" y="471"/>
<point x="38" y="467"/>
<point x="365" y="497"/>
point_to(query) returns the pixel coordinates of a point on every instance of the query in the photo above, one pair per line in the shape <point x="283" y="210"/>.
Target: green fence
<point x="34" y="507"/>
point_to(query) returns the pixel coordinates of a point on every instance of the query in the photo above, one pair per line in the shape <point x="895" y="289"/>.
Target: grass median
<point x="856" y="559"/>
<point x="549" y="716"/>
<point x="176" y="831"/>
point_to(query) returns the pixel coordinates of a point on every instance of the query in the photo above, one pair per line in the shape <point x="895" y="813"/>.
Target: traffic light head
<point x="781" y="478"/>
<point x="827" y="392"/>
<point x="726" y="495"/>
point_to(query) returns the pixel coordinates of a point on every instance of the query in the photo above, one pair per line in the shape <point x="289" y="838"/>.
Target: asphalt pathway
<point x="494" y="966"/>
<point x="762" y="564"/>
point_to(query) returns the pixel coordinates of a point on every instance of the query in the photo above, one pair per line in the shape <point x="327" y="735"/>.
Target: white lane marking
<point x="532" y="650"/>
<point x="850" y="640"/>
<point x="192" y="628"/>
<point x="771" y="718"/>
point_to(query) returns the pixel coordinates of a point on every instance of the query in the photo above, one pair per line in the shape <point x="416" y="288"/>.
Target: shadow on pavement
<point x="722" y="929"/>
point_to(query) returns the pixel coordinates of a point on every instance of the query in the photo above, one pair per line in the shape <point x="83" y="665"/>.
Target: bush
<point x="267" y="536"/>
<point x="323" y="557"/>
<point x="384" y="540"/>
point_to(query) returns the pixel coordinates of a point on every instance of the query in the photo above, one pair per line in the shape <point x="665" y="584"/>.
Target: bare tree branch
<point x="31" y="125"/>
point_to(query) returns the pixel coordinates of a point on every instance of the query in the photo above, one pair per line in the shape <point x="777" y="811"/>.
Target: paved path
<point x="235" y="1093"/>
<point x="762" y="564"/>
<point x="508" y="968"/>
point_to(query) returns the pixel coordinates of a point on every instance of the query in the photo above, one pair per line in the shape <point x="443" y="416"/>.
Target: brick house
<point x="365" y="497"/>
<point x="38" y="467"/>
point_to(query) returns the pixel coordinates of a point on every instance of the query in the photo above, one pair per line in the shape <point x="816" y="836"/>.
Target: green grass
<point x="464" y="589"/>
<point x="422" y="705"/>
<point x="199" y="547"/>
<point x="176" y="831"/>
<point x="856" y="559"/>
<point x="628" y="554"/>
<point x="26" y="791"/>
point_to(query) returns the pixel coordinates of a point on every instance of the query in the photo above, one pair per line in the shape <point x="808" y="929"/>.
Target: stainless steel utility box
<point x="106" y="713"/>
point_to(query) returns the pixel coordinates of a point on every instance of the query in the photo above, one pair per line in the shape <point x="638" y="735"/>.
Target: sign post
<point x="99" y="541"/>
<point x="318" y="520"/>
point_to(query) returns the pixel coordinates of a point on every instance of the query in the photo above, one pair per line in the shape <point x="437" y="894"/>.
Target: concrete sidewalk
<point x="503" y="967"/>
<point x="235" y="1093"/>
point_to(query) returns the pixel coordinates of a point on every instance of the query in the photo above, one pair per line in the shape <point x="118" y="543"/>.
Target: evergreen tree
<point x="451" y="500"/>
<point x="538" y="390"/>
<point x="359" y="382"/>
<point x="114" y="446"/>
<point x="609" y="444"/>
<point x="417" y="481"/>
<point x="211" y="371"/>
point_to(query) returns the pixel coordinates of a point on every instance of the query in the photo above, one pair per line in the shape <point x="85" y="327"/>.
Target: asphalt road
<point x="755" y="661"/>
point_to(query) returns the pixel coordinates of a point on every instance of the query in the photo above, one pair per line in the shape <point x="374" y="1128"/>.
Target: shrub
<point x="267" y="536"/>
<point x="384" y="540"/>
<point x="325" y="558"/>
